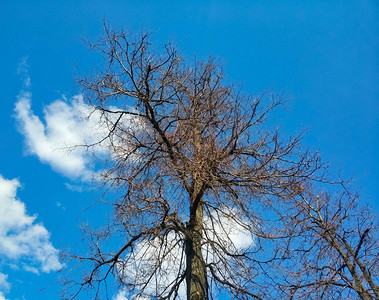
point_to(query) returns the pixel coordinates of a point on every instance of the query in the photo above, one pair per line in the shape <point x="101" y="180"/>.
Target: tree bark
<point x="196" y="277"/>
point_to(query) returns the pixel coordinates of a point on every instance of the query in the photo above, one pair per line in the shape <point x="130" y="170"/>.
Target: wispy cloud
<point x="4" y="285"/>
<point x="60" y="205"/>
<point x="23" y="71"/>
<point x="74" y="188"/>
<point x="55" y="139"/>
<point x="22" y="240"/>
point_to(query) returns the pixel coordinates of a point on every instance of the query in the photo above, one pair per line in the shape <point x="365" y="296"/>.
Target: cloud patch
<point x="22" y="240"/>
<point x="163" y="260"/>
<point x="65" y="126"/>
<point x="160" y="260"/>
<point x="4" y="285"/>
<point x="23" y="71"/>
<point x="121" y="295"/>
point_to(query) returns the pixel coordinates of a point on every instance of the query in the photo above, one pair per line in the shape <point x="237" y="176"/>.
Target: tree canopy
<point x="212" y="200"/>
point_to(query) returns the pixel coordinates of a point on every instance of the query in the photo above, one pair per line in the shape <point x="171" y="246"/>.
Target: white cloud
<point x="161" y="260"/>
<point x="74" y="188"/>
<point x="20" y="236"/>
<point x="121" y="295"/>
<point x="58" y="204"/>
<point x="229" y="230"/>
<point x="30" y="269"/>
<point x="23" y="71"/>
<point x="4" y="285"/>
<point x="53" y="141"/>
<point x="2" y="297"/>
<point x="165" y="256"/>
<point x="22" y="240"/>
<point x="64" y="126"/>
<point x="68" y="124"/>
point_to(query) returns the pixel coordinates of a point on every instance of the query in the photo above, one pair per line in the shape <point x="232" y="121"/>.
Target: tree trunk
<point x="196" y="277"/>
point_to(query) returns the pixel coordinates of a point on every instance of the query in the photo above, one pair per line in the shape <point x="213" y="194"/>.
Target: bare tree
<point x="196" y="168"/>
<point x="333" y="249"/>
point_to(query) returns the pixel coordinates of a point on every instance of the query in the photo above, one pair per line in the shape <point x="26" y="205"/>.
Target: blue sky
<point x="321" y="54"/>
